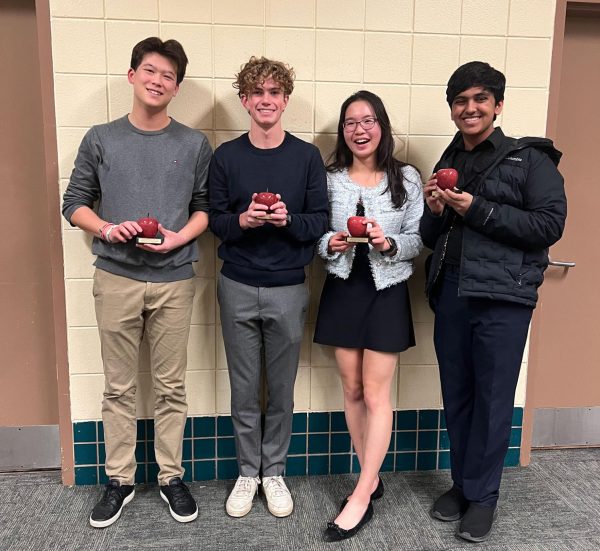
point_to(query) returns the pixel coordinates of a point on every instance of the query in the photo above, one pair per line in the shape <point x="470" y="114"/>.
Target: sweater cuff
<point x="235" y="230"/>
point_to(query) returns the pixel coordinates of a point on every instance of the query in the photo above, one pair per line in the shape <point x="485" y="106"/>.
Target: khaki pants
<point x="126" y="311"/>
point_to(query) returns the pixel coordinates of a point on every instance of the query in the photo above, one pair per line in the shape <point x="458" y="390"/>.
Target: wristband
<point x="103" y="229"/>
<point x="108" y="232"/>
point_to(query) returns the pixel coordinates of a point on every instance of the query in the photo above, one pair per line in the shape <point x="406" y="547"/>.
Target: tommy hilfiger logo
<point x="514" y="159"/>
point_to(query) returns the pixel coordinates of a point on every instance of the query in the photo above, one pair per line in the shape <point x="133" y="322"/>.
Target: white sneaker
<point x="240" y="499"/>
<point x="279" y="499"/>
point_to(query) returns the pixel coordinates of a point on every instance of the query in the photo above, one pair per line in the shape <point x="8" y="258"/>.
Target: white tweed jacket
<point x="401" y="224"/>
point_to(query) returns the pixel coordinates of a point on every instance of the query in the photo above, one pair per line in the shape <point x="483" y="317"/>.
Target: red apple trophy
<point x="268" y="199"/>
<point x="447" y="178"/>
<point x="149" y="235"/>
<point x="357" y="230"/>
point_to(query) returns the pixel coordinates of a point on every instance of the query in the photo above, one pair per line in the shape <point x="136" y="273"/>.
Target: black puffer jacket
<point x="518" y="210"/>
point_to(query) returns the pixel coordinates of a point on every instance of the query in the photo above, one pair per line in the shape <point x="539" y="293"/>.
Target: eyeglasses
<point x="367" y="124"/>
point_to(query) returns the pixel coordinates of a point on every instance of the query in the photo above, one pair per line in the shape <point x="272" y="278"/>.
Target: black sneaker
<point x="477" y="523"/>
<point x="108" y="509"/>
<point x="182" y="505"/>
<point x="450" y="506"/>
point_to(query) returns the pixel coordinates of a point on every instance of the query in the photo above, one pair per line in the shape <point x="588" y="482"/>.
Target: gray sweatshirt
<point x="127" y="173"/>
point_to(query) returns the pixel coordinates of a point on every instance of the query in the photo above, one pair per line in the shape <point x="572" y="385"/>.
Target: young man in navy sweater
<point x="261" y="290"/>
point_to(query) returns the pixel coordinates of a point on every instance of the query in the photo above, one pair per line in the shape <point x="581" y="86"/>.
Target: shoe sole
<point x="280" y="513"/>
<point x="179" y="518"/>
<point x="438" y="516"/>
<point x="238" y="513"/>
<point x="115" y="517"/>
<point x="477" y="539"/>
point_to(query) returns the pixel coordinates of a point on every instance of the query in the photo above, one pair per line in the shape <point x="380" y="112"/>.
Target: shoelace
<point x="243" y="486"/>
<point x="276" y="486"/>
<point x="111" y="495"/>
<point x="179" y="492"/>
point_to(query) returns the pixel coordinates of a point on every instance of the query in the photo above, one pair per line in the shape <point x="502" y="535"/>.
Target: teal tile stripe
<point x="320" y="445"/>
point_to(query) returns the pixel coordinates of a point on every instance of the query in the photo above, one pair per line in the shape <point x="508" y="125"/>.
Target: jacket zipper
<point x="441" y="262"/>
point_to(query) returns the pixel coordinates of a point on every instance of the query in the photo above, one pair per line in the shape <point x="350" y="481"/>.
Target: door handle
<point x="561" y="263"/>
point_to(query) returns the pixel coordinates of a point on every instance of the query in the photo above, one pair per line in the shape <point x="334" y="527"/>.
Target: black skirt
<point x="354" y="314"/>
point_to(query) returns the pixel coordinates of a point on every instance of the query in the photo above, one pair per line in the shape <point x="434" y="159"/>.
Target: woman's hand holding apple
<point x="376" y="235"/>
<point x="338" y="243"/>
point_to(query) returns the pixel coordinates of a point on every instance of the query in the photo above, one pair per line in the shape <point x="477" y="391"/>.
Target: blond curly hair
<point x="259" y="69"/>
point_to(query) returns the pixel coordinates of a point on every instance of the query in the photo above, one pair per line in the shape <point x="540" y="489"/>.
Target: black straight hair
<point x="171" y="49"/>
<point x="476" y="73"/>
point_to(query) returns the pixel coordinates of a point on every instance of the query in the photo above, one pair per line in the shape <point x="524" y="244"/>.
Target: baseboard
<point x="29" y="448"/>
<point x="555" y="427"/>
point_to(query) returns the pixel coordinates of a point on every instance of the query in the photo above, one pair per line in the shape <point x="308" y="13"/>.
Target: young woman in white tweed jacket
<point x="400" y="224"/>
<point x="365" y="308"/>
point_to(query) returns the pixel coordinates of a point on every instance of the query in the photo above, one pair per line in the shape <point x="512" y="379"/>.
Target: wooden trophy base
<point x="149" y="240"/>
<point x="357" y="239"/>
<point x="264" y="217"/>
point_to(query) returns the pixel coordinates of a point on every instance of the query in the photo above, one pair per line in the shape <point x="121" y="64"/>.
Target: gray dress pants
<point x="257" y="319"/>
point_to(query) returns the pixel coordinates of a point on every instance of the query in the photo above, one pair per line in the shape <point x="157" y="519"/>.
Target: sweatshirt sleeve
<point x="541" y="220"/>
<point x="311" y="224"/>
<point x="84" y="187"/>
<point x="199" y="200"/>
<point x="223" y="223"/>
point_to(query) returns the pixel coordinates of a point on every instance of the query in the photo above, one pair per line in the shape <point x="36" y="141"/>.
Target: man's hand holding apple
<point x="433" y="196"/>
<point x="250" y="217"/>
<point x="123" y="232"/>
<point x="278" y="213"/>
<point x="171" y="240"/>
<point x="459" y="202"/>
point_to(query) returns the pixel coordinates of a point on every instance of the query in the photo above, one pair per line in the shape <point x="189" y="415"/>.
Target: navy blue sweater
<point x="267" y="256"/>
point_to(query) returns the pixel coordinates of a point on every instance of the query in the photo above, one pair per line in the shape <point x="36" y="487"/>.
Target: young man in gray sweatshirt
<point x="143" y="163"/>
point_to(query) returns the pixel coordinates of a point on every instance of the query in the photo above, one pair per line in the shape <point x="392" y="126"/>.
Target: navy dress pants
<point x="479" y="344"/>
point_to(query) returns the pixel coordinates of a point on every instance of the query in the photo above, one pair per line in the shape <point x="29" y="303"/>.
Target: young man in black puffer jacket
<point x="490" y="238"/>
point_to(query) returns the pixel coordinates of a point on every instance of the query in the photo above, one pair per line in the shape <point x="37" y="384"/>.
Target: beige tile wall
<point x="404" y="50"/>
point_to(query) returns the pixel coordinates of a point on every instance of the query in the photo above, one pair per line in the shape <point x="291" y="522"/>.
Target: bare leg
<point x="377" y="374"/>
<point x="349" y="362"/>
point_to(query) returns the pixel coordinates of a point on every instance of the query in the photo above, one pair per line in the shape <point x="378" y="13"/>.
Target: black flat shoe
<point x="377" y="493"/>
<point x="335" y="533"/>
